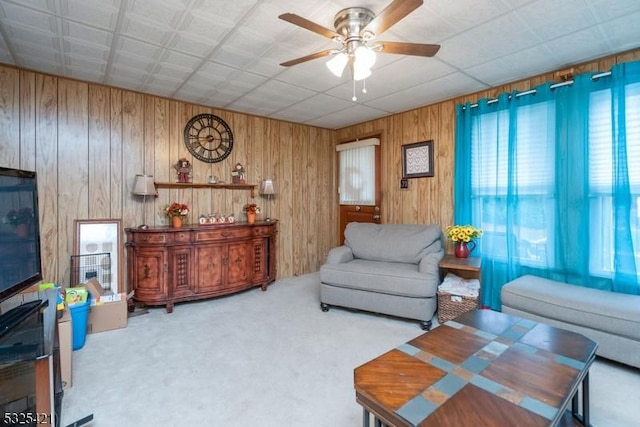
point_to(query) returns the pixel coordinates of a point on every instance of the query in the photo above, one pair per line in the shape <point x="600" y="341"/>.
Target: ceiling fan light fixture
<point x="338" y="63"/>
<point x="364" y="57"/>
<point x="360" y="72"/>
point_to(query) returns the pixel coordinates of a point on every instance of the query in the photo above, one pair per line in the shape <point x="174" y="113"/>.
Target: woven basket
<point x="451" y="306"/>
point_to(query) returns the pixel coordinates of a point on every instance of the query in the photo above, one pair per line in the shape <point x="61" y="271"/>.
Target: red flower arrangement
<point x="251" y="207"/>
<point x="176" y="209"/>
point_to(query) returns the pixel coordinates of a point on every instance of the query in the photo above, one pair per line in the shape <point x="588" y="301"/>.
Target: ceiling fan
<point x="355" y="30"/>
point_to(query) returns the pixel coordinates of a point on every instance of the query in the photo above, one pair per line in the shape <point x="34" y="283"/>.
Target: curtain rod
<point x="553" y="86"/>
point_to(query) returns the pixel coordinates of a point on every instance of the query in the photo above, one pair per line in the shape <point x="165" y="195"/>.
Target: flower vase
<point x="176" y="221"/>
<point x="251" y="217"/>
<point x="462" y="249"/>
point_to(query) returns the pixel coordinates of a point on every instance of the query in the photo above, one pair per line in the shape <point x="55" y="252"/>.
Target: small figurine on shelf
<point x="183" y="167"/>
<point x="237" y="174"/>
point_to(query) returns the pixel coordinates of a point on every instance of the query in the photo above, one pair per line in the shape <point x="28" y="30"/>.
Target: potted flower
<point x="251" y="209"/>
<point x="21" y="219"/>
<point x="176" y="211"/>
<point x="462" y="237"/>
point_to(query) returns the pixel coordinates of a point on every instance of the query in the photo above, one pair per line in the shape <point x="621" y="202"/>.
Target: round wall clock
<point x="208" y="138"/>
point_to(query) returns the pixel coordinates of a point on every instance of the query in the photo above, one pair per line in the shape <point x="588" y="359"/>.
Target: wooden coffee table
<point x="483" y="368"/>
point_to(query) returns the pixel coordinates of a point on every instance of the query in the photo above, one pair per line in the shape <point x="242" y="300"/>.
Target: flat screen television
<point x="20" y="258"/>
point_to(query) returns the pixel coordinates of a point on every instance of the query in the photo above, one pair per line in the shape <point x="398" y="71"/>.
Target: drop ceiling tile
<point x="310" y="75"/>
<point x="356" y="113"/>
<point x="414" y="71"/>
<point x="500" y="71"/>
<point x="211" y="73"/>
<point x="131" y="48"/>
<point x="229" y="11"/>
<point x="163" y="12"/>
<point x="507" y="31"/>
<point x="186" y="42"/>
<point x="206" y="27"/>
<point x="607" y="9"/>
<point x="42" y="5"/>
<point x="233" y="57"/>
<point x="86" y="33"/>
<point x="19" y="15"/>
<point x="141" y="28"/>
<point x="179" y="60"/>
<point x="463" y="51"/>
<point x="547" y="18"/>
<point x="427" y="93"/>
<point x="466" y="14"/>
<point x="581" y="45"/>
<point x="623" y="32"/>
<point x="43" y="51"/>
<point x="86" y="74"/>
<point x="135" y="61"/>
<point x="42" y="65"/>
<point x="312" y="108"/>
<point x="272" y="96"/>
<point x="97" y="13"/>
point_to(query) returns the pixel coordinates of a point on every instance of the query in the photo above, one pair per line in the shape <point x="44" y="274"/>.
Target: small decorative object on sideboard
<point x="251" y="209"/>
<point x="462" y="237"/>
<point x="238" y="174"/>
<point x="176" y="211"/>
<point x="183" y="168"/>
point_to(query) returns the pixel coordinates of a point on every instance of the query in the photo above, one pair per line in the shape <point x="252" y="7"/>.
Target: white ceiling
<point x="225" y="54"/>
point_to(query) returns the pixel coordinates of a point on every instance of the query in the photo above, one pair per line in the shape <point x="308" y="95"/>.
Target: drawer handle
<point x="226" y="234"/>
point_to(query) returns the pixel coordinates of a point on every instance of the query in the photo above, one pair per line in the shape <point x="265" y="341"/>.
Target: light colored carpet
<point x="261" y="358"/>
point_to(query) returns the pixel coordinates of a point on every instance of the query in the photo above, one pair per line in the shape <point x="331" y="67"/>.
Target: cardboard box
<point x="105" y="316"/>
<point x="65" y="339"/>
<point x="95" y="289"/>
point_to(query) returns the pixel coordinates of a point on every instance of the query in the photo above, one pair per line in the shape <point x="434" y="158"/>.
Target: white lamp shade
<point x="144" y="186"/>
<point x="364" y="57"/>
<point x="267" y="187"/>
<point x="337" y="63"/>
<point x="360" y="72"/>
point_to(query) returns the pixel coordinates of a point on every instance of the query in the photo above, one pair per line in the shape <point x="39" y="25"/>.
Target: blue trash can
<point x="79" y="320"/>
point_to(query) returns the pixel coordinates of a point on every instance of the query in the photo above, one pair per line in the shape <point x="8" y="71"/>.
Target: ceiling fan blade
<point x="416" y="49"/>
<point x="308" y="57"/>
<point x="393" y="13"/>
<point x="309" y="25"/>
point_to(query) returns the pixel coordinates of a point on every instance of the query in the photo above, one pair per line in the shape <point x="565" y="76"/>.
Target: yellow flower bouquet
<point x="463" y="233"/>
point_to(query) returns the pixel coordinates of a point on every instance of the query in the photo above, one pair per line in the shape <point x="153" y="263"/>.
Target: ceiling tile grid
<point x="226" y="54"/>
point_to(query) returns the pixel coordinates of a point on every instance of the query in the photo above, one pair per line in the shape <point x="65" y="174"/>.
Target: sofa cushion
<point x="610" y="312"/>
<point x="391" y="278"/>
<point x="405" y="243"/>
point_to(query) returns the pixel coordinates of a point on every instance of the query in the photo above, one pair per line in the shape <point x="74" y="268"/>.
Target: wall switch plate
<point x="404" y="184"/>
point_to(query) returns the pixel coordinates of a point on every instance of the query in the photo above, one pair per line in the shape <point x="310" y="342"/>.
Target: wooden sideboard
<point x="169" y="265"/>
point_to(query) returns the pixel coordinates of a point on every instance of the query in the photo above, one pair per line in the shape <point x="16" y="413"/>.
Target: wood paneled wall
<point x="87" y="142"/>
<point x="430" y="200"/>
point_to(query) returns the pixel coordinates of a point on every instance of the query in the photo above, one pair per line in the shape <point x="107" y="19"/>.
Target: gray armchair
<point x="385" y="268"/>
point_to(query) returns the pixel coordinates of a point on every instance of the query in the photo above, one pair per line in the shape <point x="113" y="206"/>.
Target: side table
<point x="450" y="305"/>
<point x="467" y="268"/>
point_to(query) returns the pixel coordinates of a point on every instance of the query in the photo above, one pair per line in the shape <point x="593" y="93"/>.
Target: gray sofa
<point x="610" y="319"/>
<point x="385" y="268"/>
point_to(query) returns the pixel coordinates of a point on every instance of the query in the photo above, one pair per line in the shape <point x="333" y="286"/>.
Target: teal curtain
<point x="549" y="175"/>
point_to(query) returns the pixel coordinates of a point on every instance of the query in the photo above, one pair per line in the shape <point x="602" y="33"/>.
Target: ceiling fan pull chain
<point x="354" y="99"/>
<point x="364" y="86"/>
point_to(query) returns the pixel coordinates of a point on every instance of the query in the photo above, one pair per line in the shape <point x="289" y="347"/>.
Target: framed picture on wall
<point x="98" y="237"/>
<point x="417" y="160"/>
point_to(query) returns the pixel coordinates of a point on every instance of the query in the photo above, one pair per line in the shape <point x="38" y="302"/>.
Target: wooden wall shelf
<point x="250" y="187"/>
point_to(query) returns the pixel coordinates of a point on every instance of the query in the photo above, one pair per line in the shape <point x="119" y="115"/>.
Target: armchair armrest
<point x="339" y="255"/>
<point x="429" y="264"/>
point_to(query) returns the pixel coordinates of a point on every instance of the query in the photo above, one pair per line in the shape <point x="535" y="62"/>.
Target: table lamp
<point x="267" y="188"/>
<point x="144" y="186"/>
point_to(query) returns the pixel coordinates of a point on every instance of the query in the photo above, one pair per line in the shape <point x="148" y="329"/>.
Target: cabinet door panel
<point x="181" y="272"/>
<point x="149" y="280"/>
<point x="239" y="264"/>
<point x="209" y="264"/>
